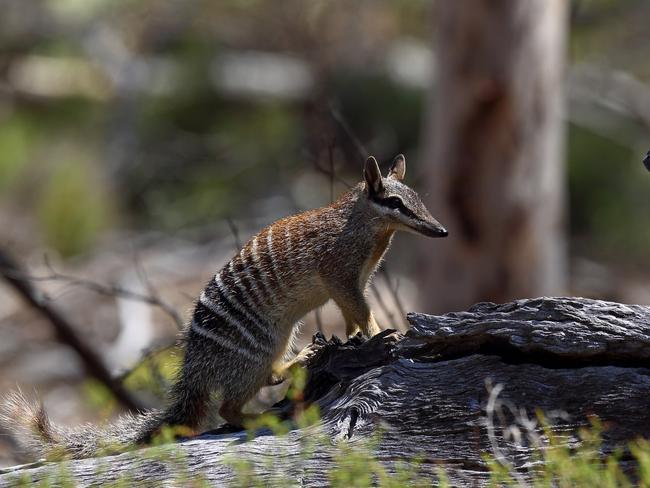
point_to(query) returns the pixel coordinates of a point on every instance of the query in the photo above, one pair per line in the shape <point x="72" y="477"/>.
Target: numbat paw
<point x="305" y="356"/>
<point x="390" y="337"/>
<point x="393" y="337"/>
<point x="275" y="379"/>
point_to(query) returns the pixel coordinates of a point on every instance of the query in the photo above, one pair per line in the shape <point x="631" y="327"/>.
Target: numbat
<point x="244" y="322"/>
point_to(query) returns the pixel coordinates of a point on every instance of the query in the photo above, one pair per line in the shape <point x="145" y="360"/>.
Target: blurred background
<point x="142" y="141"/>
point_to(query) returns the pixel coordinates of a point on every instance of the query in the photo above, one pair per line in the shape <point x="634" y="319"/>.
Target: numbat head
<point x="398" y="206"/>
<point x="241" y="333"/>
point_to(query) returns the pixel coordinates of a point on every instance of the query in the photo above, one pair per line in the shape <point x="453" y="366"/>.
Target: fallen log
<point x="425" y="393"/>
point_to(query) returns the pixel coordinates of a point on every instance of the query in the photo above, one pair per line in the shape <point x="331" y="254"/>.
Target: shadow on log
<point x="426" y="393"/>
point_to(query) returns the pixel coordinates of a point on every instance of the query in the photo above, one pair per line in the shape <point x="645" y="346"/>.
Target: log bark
<point x="495" y="173"/>
<point x="426" y="393"/>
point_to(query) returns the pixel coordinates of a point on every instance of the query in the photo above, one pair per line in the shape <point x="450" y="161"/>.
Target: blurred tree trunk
<point x="494" y="164"/>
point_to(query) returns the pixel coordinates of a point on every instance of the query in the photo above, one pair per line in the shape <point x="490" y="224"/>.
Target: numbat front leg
<point x="302" y="359"/>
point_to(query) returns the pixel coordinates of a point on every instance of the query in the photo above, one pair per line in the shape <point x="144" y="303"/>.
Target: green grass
<point x="358" y="463"/>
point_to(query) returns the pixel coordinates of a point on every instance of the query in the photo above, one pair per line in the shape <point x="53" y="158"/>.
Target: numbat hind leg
<point x="304" y="357"/>
<point x="231" y="412"/>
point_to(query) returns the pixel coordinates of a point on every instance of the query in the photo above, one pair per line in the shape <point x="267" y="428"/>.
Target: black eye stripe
<point x="407" y="212"/>
<point x="395" y="203"/>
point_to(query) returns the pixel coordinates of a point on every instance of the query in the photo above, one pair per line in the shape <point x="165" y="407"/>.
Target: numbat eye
<point x="393" y="202"/>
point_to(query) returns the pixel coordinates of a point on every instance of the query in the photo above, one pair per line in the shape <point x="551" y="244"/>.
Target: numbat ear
<point x="398" y="168"/>
<point x="372" y="175"/>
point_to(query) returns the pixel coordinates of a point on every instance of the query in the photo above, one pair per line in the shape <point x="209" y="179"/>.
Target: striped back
<point x="250" y="306"/>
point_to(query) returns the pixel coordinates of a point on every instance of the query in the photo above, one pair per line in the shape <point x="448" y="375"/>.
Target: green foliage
<point x="358" y="464"/>
<point x="15" y="141"/>
<point x="185" y="155"/>
<point x="355" y="464"/>
<point x="608" y="189"/>
<point x="99" y="397"/>
<point x="79" y="9"/>
<point x="558" y="464"/>
<point x="155" y="372"/>
<point x="582" y="466"/>
<point x="604" y="30"/>
<point x="641" y="452"/>
<point x="59" y="477"/>
<point x="73" y="208"/>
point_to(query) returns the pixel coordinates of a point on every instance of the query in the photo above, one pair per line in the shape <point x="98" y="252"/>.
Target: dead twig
<point x="331" y="174"/>
<point x="235" y="234"/>
<point x="518" y="430"/>
<point x="66" y="332"/>
<point x="492" y="408"/>
<point x="343" y="123"/>
<point x="152" y="298"/>
<point x="155" y="297"/>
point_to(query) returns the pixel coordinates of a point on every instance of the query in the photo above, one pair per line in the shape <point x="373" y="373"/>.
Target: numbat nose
<point x="433" y="229"/>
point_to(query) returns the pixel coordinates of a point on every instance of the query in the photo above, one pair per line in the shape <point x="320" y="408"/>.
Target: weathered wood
<point x="574" y="329"/>
<point x="426" y="392"/>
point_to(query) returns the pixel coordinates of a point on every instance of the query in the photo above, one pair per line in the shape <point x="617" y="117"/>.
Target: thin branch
<point x="155" y="295"/>
<point x="66" y="332"/>
<point x="494" y="406"/>
<point x="332" y="175"/>
<point x="235" y="233"/>
<point x="99" y="288"/>
<point x="338" y="117"/>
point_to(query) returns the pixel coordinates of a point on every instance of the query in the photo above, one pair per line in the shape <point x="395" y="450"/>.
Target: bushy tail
<point x="32" y="430"/>
<point x="189" y="399"/>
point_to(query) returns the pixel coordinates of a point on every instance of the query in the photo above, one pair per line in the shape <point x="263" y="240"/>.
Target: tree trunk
<point x="494" y="165"/>
<point x="425" y="394"/>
